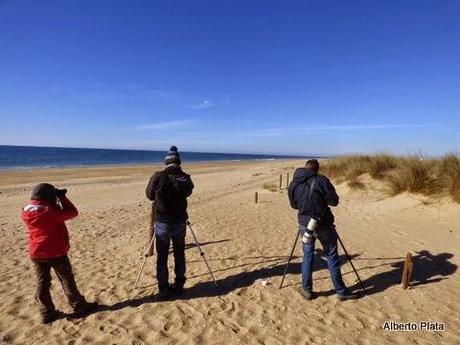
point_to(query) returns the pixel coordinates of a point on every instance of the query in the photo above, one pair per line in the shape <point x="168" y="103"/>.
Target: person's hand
<point x="61" y="192"/>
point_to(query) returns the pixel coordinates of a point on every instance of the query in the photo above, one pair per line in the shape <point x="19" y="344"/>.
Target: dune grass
<point x="270" y="187"/>
<point x="355" y="184"/>
<point x="414" y="174"/>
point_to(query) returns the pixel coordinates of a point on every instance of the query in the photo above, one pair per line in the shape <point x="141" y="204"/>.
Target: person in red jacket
<point x="48" y="247"/>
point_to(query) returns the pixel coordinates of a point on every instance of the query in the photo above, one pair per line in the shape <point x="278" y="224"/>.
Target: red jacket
<point x="48" y="236"/>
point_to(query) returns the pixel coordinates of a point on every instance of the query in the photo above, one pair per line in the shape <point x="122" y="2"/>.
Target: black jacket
<point x="183" y="188"/>
<point x="323" y="196"/>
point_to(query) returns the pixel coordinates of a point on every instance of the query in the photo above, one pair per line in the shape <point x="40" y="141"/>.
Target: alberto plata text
<point x="413" y="326"/>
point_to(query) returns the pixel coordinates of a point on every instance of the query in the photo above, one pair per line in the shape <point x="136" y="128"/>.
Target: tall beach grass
<point x="434" y="177"/>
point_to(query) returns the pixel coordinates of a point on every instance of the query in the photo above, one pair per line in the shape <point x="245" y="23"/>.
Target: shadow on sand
<point x="427" y="268"/>
<point x="202" y="244"/>
<point x="232" y="282"/>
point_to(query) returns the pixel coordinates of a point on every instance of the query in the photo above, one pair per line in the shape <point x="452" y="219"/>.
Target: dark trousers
<point x="327" y="235"/>
<point x="63" y="270"/>
<point x="165" y="233"/>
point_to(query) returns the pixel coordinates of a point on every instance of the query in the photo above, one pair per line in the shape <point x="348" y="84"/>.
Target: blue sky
<point x="291" y="77"/>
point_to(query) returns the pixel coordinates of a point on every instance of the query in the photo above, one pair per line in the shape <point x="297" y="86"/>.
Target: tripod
<point x="146" y="255"/>
<point x="202" y="255"/>
<point x="150" y="248"/>
<point x="151" y="245"/>
<point x="290" y="258"/>
<point x="344" y="250"/>
<point x="352" y="266"/>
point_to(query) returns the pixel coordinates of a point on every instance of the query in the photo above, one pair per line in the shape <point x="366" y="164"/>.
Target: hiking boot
<point x="49" y="318"/>
<point x="347" y="295"/>
<point x="178" y="289"/>
<point x="85" y="309"/>
<point x="307" y="294"/>
<point x="166" y="293"/>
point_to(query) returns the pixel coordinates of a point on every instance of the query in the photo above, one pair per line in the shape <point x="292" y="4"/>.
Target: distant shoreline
<point x="144" y="165"/>
<point x="20" y="158"/>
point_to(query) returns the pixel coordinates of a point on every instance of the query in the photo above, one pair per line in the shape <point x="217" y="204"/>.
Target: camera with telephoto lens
<point x="308" y="235"/>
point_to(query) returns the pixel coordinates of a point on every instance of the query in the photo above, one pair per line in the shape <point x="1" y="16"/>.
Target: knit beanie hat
<point x="44" y="192"/>
<point x="172" y="157"/>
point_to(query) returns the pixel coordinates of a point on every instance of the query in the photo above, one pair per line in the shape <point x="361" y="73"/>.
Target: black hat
<point x="312" y="164"/>
<point x="172" y="157"/>
<point x="44" y="192"/>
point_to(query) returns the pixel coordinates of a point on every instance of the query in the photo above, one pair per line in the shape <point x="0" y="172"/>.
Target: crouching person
<point x="169" y="190"/>
<point x="48" y="247"/>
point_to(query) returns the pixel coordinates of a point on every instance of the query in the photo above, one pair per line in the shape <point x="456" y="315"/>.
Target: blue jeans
<point x="328" y="238"/>
<point x="164" y="233"/>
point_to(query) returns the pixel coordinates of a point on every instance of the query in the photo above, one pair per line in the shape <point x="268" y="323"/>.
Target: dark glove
<point x="61" y="192"/>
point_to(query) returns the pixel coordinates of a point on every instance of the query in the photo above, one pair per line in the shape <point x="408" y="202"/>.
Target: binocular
<point x="60" y="192"/>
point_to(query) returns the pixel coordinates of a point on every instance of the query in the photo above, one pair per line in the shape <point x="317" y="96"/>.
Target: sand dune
<point x="246" y="244"/>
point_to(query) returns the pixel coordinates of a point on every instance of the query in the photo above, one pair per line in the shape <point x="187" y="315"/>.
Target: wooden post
<point x="281" y="181"/>
<point x="256" y="197"/>
<point x="407" y="271"/>
<point x="287" y="180"/>
<point x="151" y="229"/>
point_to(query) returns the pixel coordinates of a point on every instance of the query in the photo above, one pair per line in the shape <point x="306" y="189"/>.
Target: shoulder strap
<point x="312" y="189"/>
<point x="310" y="194"/>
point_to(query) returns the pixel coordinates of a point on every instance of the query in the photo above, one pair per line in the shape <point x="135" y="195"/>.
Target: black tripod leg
<point x="352" y="265"/>
<point x="202" y="255"/>
<point x="290" y="258"/>
<point x="146" y="255"/>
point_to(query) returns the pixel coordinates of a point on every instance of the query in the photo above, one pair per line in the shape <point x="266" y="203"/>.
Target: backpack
<point x="166" y="194"/>
<point x="311" y="190"/>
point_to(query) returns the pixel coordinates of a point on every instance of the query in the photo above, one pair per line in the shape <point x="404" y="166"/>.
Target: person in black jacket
<point x="169" y="189"/>
<point x="312" y="194"/>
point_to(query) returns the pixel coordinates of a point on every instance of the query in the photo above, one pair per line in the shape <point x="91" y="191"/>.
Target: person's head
<point x="312" y="164"/>
<point x="172" y="157"/>
<point x="44" y="192"/>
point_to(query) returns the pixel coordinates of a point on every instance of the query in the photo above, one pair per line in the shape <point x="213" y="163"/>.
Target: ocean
<point x="29" y="157"/>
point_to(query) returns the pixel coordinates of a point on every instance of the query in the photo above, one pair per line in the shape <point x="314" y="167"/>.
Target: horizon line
<point x="180" y="151"/>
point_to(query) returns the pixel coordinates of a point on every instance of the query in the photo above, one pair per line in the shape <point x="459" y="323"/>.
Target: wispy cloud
<point x="254" y="129"/>
<point x="359" y="127"/>
<point x="205" y="104"/>
<point x="176" y="124"/>
<point x="194" y="130"/>
<point x="274" y="131"/>
<point x="237" y="135"/>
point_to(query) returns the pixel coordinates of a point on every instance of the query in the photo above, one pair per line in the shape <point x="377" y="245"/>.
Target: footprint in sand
<point x="73" y="331"/>
<point x="420" y="242"/>
<point x="400" y="233"/>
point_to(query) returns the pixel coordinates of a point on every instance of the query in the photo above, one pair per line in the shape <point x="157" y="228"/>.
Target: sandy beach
<point x="247" y="246"/>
